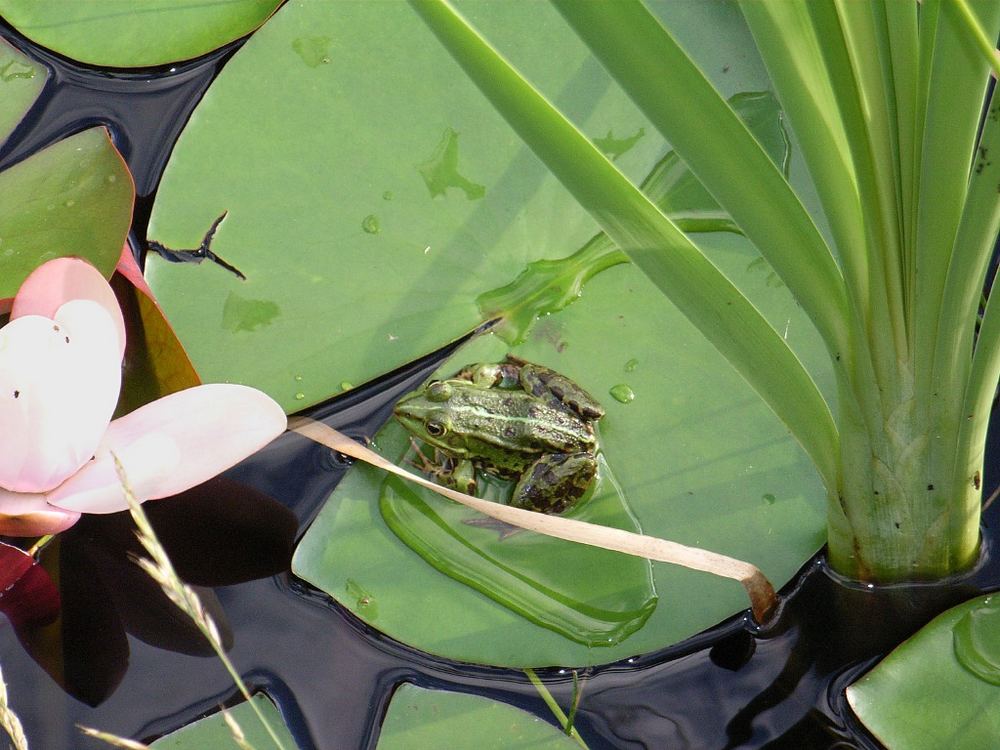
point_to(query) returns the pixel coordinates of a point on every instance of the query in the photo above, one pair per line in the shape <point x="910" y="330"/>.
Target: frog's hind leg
<point x="555" y="482"/>
<point x="549" y="384"/>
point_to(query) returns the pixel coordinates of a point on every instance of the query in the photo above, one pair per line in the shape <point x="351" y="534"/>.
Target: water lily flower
<point x="60" y="376"/>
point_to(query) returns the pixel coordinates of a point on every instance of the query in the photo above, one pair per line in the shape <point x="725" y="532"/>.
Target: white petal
<point x="59" y="383"/>
<point x="172" y="444"/>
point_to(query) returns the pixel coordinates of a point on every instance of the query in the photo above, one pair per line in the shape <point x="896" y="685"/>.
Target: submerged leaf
<point x="592" y="596"/>
<point x="420" y="718"/>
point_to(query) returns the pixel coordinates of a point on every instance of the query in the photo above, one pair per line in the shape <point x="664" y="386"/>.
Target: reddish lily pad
<point x="27" y="593"/>
<point x="102" y="32"/>
<point x="155" y="361"/>
<point x="73" y="198"/>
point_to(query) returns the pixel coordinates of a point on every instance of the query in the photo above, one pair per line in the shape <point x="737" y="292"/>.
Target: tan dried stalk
<point x="112" y="739"/>
<point x="161" y="570"/>
<point x="9" y="720"/>
<point x="236" y="731"/>
<point x="763" y="600"/>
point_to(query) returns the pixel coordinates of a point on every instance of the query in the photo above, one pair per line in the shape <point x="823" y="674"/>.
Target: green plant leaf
<point x="354" y="266"/>
<point x="72" y="198"/>
<point x="212" y="731"/>
<point x="928" y="693"/>
<point x="106" y="33"/>
<point x="655" y="244"/>
<point x="420" y="719"/>
<point x="21" y="81"/>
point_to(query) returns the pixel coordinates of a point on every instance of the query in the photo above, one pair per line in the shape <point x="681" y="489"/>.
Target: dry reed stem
<point x="763" y="600"/>
<point x="112" y="739"/>
<point x="236" y="731"/>
<point x="9" y="720"/>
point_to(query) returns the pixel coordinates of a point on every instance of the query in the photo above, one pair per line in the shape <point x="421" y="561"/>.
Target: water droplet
<point x="70" y="203"/>
<point x="370" y="224"/>
<point x="769" y="498"/>
<point x="298" y="378"/>
<point x="345" y="386"/>
<point x="622" y="393"/>
<point x="387" y="195"/>
<point x="976" y="638"/>
<point x="299" y="396"/>
<point x="631" y="365"/>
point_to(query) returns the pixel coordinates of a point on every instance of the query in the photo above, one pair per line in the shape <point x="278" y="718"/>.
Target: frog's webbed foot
<point x="438" y="466"/>
<point x="545" y="383"/>
<point x="555" y="482"/>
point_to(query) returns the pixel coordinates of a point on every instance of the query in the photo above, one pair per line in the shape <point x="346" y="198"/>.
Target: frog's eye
<point x="439" y="391"/>
<point x="435" y="428"/>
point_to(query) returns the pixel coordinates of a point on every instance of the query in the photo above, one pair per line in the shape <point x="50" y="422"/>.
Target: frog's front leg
<point x="555" y="481"/>
<point x="463" y="478"/>
<point x="491" y="375"/>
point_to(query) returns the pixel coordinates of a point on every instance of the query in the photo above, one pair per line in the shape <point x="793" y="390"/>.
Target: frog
<point x="512" y="419"/>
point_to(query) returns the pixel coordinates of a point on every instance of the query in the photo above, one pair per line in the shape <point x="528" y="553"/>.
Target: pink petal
<point x="59" y="383"/>
<point x="58" y="281"/>
<point x="173" y="444"/>
<point x="25" y="514"/>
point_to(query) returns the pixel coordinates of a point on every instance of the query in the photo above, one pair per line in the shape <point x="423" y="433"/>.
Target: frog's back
<point x="518" y="425"/>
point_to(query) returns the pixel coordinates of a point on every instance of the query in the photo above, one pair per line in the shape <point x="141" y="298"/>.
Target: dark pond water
<point x="121" y="661"/>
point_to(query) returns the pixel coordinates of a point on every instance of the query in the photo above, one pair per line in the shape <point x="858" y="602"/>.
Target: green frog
<point x="512" y="419"/>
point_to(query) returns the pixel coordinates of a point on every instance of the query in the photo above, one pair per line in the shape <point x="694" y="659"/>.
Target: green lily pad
<point x="72" y="198"/>
<point x="420" y="719"/>
<point x="113" y="34"/>
<point x="365" y="168"/>
<point x="940" y="688"/>
<point x="588" y="595"/>
<point x="386" y="198"/>
<point x="21" y="80"/>
<point x="213" y="732"/>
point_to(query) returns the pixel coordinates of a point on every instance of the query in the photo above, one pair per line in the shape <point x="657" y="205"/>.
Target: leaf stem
<point x="561" y="717"/>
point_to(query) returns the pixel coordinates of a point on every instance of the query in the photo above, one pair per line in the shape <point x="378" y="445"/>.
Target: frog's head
<point x="427" y="415"/>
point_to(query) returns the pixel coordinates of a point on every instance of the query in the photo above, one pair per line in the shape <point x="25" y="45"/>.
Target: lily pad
<point x="940" y="688"/>
<point x="213" y="732"/>
<point x="588" y="595"/>
<point x="420" y="719"/>
<point x="72" y="198"/>
<point x="21" y="80"/>
<point x="365" y="170"/>
<point x="366" y="241"/>
<point x="103" y="32"/>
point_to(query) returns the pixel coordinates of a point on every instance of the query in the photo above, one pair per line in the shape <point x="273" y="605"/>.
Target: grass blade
<point x="9" y="721"/>
<point x="158" y="567"/>
<point x="652" y="241"/>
